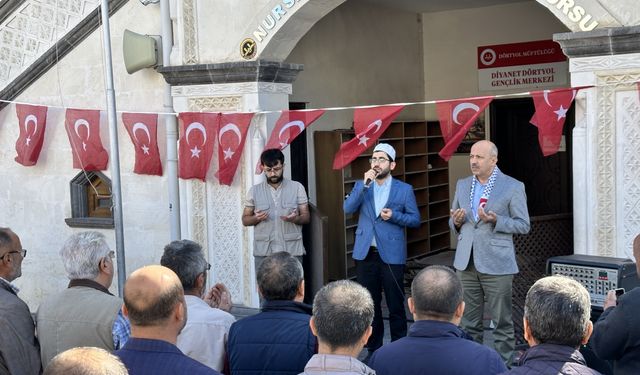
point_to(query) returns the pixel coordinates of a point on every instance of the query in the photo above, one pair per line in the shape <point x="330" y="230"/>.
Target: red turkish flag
<point x="290" y="125"/>
<point x="232" y="133"/>
<point x="456" y="118"/>
<point x="197" y="136"/>
<point x="551" y="113"/>
<point x="32" y="120"/>
<point x="143" y="131"/>
<point x="369" y="124"/>
<point x="83" y="130"/>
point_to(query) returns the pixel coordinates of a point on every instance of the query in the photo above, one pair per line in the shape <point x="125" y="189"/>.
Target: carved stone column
<point x="211" y="213"/>
<point x="606" y="162"/>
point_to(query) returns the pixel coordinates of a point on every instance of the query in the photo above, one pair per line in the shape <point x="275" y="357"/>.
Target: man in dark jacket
<point x="616" y="335"/>
<point x="556" y="322"/>
<point x="19" y="350"/>
<point x="435" y="345"/>
<point x="278" y="340"/>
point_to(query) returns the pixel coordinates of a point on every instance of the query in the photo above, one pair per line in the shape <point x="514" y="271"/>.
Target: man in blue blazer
<point x="489" y="207"/>
<point x="386" y="207"/>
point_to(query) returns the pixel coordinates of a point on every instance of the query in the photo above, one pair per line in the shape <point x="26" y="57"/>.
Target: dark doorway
<point x="547" y="179"/>
<point x="298" y="162"/>
<point x="299" y="172"/>
<point x="547" y="182"/>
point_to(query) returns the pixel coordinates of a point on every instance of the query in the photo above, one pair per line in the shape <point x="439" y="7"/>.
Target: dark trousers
<point x="375" y="275"/>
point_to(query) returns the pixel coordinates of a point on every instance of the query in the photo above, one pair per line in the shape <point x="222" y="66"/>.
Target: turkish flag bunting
<point x="551" y="112"/>
<point x="456" y="118"/>
<point x="83" y="130"/>
<point x="232" y="133"/>
<point x="288" y="127"/>
<point x="197" y="137"/>
<point x="143" y="130"/>
<point x="369" y="124"/>
<point x="32" y="120"/>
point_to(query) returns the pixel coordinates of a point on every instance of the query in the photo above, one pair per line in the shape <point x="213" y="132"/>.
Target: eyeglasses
<point x="207" y="268"/>
<point x="378" y="160"/>
<point x="274" y="169"/>
<point x="22" y="252"/>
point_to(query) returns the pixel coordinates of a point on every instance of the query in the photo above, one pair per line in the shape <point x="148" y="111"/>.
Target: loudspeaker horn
<point x="140" y="51"/>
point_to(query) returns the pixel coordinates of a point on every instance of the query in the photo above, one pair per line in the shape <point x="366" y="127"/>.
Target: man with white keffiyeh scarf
<point x="488" y="208"/>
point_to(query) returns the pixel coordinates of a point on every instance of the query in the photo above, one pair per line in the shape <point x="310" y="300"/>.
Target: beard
<point x="275" y="179"/>
<point x="383" y="174"/>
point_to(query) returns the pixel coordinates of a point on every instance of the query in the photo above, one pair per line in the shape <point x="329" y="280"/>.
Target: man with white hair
<point x="86" y="360"/>
<point x="86" y="313"/>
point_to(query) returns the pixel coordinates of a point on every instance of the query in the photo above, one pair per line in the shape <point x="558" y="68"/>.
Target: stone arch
<point x="282" y="23"/>
<point x="274" y="39"/>
<point x="587" y="15"/>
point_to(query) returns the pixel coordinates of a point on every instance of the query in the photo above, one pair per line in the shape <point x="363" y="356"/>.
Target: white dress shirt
<point x="204" y="338"/>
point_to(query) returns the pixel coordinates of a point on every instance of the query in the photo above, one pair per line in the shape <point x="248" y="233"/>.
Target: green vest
<point x="275" y="235"/>
<point x="78" y="316"/>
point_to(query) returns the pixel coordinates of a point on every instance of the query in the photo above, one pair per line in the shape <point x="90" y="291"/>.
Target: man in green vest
<point x="277" y="208"/>
<point x="86" y="313"/>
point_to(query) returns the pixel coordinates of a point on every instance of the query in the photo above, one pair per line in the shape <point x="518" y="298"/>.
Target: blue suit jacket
<point x="390" y="237"/>
<point x="147" y="356"/>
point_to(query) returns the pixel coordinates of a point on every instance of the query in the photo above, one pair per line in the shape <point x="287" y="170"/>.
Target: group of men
<point x="169" y="323"/>
<point x="489" y="207"/>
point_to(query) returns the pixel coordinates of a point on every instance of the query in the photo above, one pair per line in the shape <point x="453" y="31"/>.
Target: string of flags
<point x="200" y="132"/>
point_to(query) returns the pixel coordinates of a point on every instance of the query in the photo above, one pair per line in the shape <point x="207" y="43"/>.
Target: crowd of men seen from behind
<point x="168" y="323"/>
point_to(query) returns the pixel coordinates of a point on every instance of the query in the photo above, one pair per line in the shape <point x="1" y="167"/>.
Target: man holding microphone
<point x="386" y="207"/>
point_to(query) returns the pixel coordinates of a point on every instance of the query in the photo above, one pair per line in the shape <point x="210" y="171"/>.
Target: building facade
<point x="262" y="55"/>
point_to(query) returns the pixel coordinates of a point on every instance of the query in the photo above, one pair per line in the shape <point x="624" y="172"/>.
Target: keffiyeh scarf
<point x="486" y="192"/>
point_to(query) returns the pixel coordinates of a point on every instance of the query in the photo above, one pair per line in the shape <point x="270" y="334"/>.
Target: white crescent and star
<point x="288" y="125"/>
<point x="561" y="111"/>
<point x="461" y="107"/>
<point x="82" y="122"/>
<point x="195" y="151"/>
<point x="363" y="138"/>
<point x="228" y="154"/>
<point x="545" y="95"/>
<point x="138" y="126"/>
<point x="27" y="120"/>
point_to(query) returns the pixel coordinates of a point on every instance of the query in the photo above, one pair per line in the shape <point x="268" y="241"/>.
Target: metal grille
<point x="549" y="236"/>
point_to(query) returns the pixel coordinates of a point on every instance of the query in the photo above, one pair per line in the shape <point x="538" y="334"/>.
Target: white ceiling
<point x="425" y="6"/>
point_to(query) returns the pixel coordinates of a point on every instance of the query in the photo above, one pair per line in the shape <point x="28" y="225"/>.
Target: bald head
<point x="85" y="361"/>
<point x="151" y="294"/>
<point x="487" y="146"/>
<point x="10" y="257"/>
<point x="436" y="292"/>
<point x="482" y="159"/>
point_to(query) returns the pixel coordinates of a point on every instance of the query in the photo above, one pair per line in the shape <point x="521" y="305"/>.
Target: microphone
<point x="368" y="181"/>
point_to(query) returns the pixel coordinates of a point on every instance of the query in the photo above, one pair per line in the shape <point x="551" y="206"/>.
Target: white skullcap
<point x="387" y="149"/>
